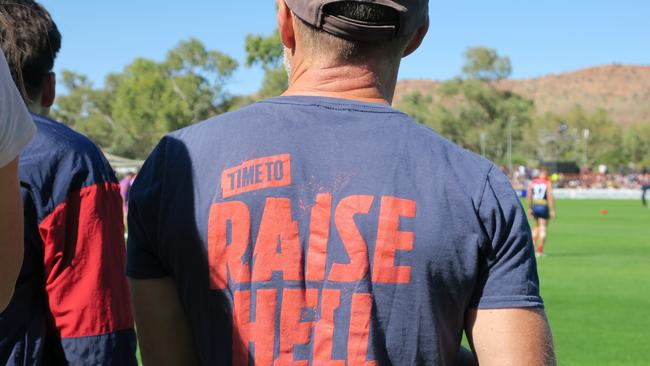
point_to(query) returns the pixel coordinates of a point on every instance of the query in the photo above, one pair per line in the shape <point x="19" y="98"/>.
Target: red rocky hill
<point x="622" y="90"/>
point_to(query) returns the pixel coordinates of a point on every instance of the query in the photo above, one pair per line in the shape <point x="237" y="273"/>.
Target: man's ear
<point x="49" y="90"/>
<point x="417" y="39"/>
<point x="285" y="25"/>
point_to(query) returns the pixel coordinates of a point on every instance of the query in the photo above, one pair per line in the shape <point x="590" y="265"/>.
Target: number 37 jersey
<point x="539" y="191"/>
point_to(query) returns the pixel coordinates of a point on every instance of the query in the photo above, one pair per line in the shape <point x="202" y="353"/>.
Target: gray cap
<point x="412" y="15"/>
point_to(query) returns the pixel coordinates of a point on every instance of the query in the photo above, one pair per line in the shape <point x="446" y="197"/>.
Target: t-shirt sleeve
<point x="508" y="270"/>
<point x="16" y="125"/>
<point x="143" y="257"/>
<point x="83" y="262"/>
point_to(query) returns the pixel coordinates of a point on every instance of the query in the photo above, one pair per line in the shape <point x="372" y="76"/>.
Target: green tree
<point x="198" y="77"/>
<point x="637" y="144"/>
<point x="419" y="107"/>
<point x="267" y="52"/>
<point x="579" y="135"/>
<point x="471" y="111"/>
<point x="149" y="99"/>
<point x="475" y="111"/>
<point x="485" y="64"/>
<point x="86" y="109"/>
<point x="484" y="117"/>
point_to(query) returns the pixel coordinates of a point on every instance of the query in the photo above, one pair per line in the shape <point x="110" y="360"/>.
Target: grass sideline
<point x="596" y="283"/>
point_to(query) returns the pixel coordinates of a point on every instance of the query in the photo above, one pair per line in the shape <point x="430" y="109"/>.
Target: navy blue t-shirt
<point x="326" y="230"/>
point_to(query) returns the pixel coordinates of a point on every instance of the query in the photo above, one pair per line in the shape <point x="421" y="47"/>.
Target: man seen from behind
<point x="323" y="227"/>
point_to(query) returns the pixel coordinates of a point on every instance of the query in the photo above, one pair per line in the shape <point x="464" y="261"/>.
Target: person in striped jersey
<point x="71" y="303"/>
<point x="541" y="207"/>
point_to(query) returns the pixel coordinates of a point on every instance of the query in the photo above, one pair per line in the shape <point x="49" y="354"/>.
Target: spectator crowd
<point x="600" y="178"/>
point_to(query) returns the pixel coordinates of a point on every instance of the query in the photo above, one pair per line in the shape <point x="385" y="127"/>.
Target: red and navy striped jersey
<point x="539" y="190"/>
<point x="71" y="304"/>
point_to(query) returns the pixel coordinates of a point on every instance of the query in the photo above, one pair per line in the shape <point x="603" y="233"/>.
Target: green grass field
<point x="596" y="283"/>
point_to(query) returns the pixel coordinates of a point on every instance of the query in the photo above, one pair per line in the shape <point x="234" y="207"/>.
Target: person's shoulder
<point x="56" y="145"/>
<point x="60" y="139"/>
<point x="59" y="161"/>
<point x="458" y="157"/>
<point x="456" y="164"/>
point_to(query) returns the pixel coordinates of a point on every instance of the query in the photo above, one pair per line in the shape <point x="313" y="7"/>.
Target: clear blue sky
<point x="540" y="37"/>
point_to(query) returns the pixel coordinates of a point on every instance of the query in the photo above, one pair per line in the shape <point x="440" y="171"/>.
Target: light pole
<point x="585" y="138"/>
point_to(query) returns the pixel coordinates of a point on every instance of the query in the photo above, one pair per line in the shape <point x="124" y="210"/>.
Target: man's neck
<point x="36" y="107"/>
<point x="345" y="82"/>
